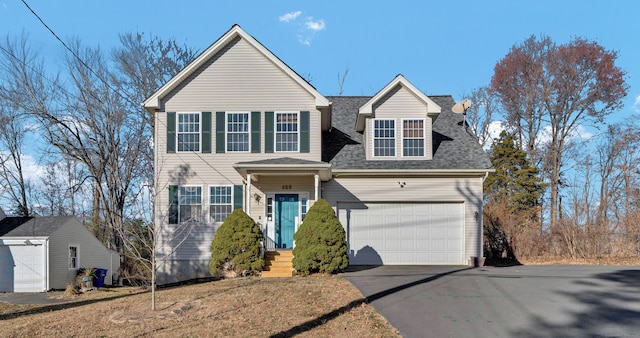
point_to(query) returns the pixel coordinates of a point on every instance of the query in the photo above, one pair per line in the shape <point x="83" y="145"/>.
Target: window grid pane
<point x="384" y="138"/>
<point x="413" y="138"/>
<point x="286" y="131"/>
<point x="238" y="132"/>
<point x="188" y="132"/>
<point x="73" y="257"/>
<point x="190" y="204"/>
<point x="221" y="203"/>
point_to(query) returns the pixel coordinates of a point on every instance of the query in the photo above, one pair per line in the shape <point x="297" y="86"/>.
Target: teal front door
<point x="286" y="214"/>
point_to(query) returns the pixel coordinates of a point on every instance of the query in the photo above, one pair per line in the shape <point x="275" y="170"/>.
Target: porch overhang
<point x="285" y="166"/>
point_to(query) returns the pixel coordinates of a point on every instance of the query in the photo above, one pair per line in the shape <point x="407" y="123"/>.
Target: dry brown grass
<point x="325" y="306"/>
<point x="582" y="261"/>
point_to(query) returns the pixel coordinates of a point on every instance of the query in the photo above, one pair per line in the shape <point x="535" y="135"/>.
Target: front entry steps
<point x="278" y="264"/>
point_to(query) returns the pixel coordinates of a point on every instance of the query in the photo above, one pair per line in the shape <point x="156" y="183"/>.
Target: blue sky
<point x="442" y="47"/>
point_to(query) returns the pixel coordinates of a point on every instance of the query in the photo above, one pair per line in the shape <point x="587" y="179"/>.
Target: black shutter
<point x="173" y="204"/>
<point x="255" y="132"/>
<point x="304" y="131"/>
<point x="220" y="132"/>
<point x="171" y="132"/>
<point x="268" y="132"/>
<point x="206" y="132"/>
<point x="237" y="196"/>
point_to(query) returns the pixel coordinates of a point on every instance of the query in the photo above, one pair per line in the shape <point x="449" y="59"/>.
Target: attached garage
<point x="404" y="233"/>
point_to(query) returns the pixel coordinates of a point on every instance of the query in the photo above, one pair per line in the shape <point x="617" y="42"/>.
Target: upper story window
<point x="190" y="204"/>
<point x="220" y="203"/>
<point x="384" y="137"/>
<point x="238" y="132"/>
<point x="287" y="135"/>
<point x="188" y="131"/>
<point x="413" y="137"/>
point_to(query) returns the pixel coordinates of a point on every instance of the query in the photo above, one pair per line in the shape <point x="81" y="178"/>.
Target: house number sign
<point x="286" y="187"/>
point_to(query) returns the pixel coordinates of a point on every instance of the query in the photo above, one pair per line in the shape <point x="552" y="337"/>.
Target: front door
<point x="286" y="215"/>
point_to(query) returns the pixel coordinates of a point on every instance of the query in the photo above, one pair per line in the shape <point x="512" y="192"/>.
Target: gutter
<point x="411" y="172"/>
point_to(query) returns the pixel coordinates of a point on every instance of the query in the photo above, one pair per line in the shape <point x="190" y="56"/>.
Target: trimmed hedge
<point x="235" y="249"/>
<point x="321" y="242"/>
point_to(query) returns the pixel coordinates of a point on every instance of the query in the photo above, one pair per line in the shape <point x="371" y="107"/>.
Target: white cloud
<point x="314" y="25"/>
<point x="289" y="16"/>
<point x="636" y="105"/>
<point x="307" y="28"/>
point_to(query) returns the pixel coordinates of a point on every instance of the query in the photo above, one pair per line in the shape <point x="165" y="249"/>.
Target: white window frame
<point x="227" y="133"/>
<point x="276" y="132"/>
<point x="424" y="137"/>
<point x="178" y="132"/>
<point x="211" y="204"/>
<point x="373" y="138"/>
<point x="77" y="257"/>
<point x="180" y="204"/>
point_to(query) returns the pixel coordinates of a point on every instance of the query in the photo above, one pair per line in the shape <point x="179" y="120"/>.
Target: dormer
<point x="396" y="123"/>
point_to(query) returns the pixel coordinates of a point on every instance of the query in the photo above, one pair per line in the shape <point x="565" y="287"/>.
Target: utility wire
<point x="106" y="84"/>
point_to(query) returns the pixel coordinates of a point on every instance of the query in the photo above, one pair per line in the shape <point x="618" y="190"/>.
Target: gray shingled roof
<point x="31" y="226"/>
<point x="453" y="147"/>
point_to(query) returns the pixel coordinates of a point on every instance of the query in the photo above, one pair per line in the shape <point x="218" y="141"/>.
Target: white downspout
<point x="46" y="264"/>
<point x="248" y="201"/>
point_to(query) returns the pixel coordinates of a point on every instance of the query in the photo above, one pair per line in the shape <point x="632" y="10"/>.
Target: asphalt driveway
<point x="532" y="301"/>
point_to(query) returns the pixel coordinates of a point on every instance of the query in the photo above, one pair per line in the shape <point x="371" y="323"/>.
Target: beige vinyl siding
<point x="302" y="185"/>
<point x="399" y="104"/>
<point x="239" y="78"/>
<point x="92" y="254"/>
<point x="432" y="189"/>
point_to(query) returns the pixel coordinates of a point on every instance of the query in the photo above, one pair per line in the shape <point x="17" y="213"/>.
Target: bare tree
<point x="17" y="64"/>
<point x="520" y="84"/>
<point x="13" y="128"/>
<point x="481" y="113"/>
<point x="341" y="81"/>
<point x="149" y="245"/>
<point x="564" y="85"/>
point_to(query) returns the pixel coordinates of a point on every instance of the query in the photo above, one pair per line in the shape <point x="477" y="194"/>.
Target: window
<point x="286" y="131"/>
<point x="413" y="137"/>
<point x="188" y="132"/>
<point x="220" y="203"/>
<point x="303" y="206"/>
<point x="190" y="204"/>
<point x="73" y="257"/>
<point x="269" y="208"/>
<point x="238" y="132"/>
<point x="384" y="138"/>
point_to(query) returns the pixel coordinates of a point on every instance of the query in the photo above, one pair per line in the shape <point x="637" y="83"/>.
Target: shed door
<point x="22" y="268"/>
<point x="404" y="233"/>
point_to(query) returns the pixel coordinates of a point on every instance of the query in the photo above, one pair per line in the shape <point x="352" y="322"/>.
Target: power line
<point x="108" y="86"/>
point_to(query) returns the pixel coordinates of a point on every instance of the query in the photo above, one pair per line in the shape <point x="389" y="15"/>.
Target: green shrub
<point x="321" y="243"/>
<point x="235" y="249"/>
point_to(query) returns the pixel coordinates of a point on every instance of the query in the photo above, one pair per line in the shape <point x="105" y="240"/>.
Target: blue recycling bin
<point x="100" y="275"/>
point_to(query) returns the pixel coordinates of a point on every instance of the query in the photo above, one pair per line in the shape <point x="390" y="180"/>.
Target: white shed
<point x="44" y="253"/>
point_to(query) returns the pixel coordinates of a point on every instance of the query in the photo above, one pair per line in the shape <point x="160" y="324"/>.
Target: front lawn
<point x="325" y="306"/>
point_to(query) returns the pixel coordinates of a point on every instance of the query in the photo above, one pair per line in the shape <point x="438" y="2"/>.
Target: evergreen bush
<point x="235" y="249"/>
<point x="321" y="243"/>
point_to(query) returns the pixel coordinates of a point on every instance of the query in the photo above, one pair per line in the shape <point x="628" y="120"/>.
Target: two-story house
<point x="238" y="128"/>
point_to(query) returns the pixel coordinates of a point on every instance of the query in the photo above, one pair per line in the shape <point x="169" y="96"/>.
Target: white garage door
<point x="404" y="233"/>
<point x="22" y="268"/>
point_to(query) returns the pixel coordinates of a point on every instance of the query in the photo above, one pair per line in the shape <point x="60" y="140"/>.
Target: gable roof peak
<point x="154" y="101"/>
<point x="367" y="109"/>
